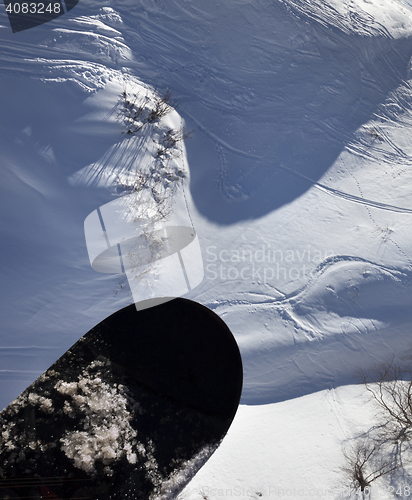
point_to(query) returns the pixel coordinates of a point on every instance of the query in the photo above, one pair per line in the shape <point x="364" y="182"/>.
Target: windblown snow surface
<point x="300" y="192"/>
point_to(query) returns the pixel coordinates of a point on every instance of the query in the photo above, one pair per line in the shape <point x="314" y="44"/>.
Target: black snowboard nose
<point x="132" y="410"/>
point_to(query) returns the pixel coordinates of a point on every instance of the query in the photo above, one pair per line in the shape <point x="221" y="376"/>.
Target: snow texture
<point x="300" y="162"/>
<point x="106" y="434"/>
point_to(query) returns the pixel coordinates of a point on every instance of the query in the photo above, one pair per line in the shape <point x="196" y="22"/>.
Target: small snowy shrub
<point x="134" y="109"/>
<point x="389" y="443"/>
<point x="390" y="386"/>
<point x="151" y="189"/>
<point x="366" y="462"/>
<point x="170" y="140"/>
<point x="163" y="105"/>
<point x="140" y="110"/>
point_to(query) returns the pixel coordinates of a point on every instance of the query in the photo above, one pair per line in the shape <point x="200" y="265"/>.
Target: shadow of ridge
<point x="43" y="114"/>
<point x="303" y="369"/>
<point x="319" y="107"/>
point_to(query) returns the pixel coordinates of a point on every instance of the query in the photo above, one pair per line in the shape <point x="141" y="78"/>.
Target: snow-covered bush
<point x="390" y="386"/>
<point x="163" y="104"/>
<point x="366" y="462"/>
<point x="150" y="188"/>
<point x="388" y="444"/>
<point x="171" y="138"/>
<point x="139" y="110"/>
<point x="134" y="110"/>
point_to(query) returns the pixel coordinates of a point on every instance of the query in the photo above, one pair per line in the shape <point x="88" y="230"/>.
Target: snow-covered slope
<point x="299" y="181"/>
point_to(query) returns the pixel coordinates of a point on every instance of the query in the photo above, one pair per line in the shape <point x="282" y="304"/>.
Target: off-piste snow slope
<point x="300" y="192"/>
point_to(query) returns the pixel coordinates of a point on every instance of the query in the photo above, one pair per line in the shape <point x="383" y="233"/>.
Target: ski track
<point x="286" y="305"/>
<point x="347" y="196"/>
<point x="386" y="236"/>
<point x="359" y="21"/>
<point x="300" y="293"/>
<point x="110" y="58"/>
<point x="91" y="51"/>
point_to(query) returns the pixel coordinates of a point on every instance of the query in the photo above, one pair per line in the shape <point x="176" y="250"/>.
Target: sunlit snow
<point x="298" y="187"/>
